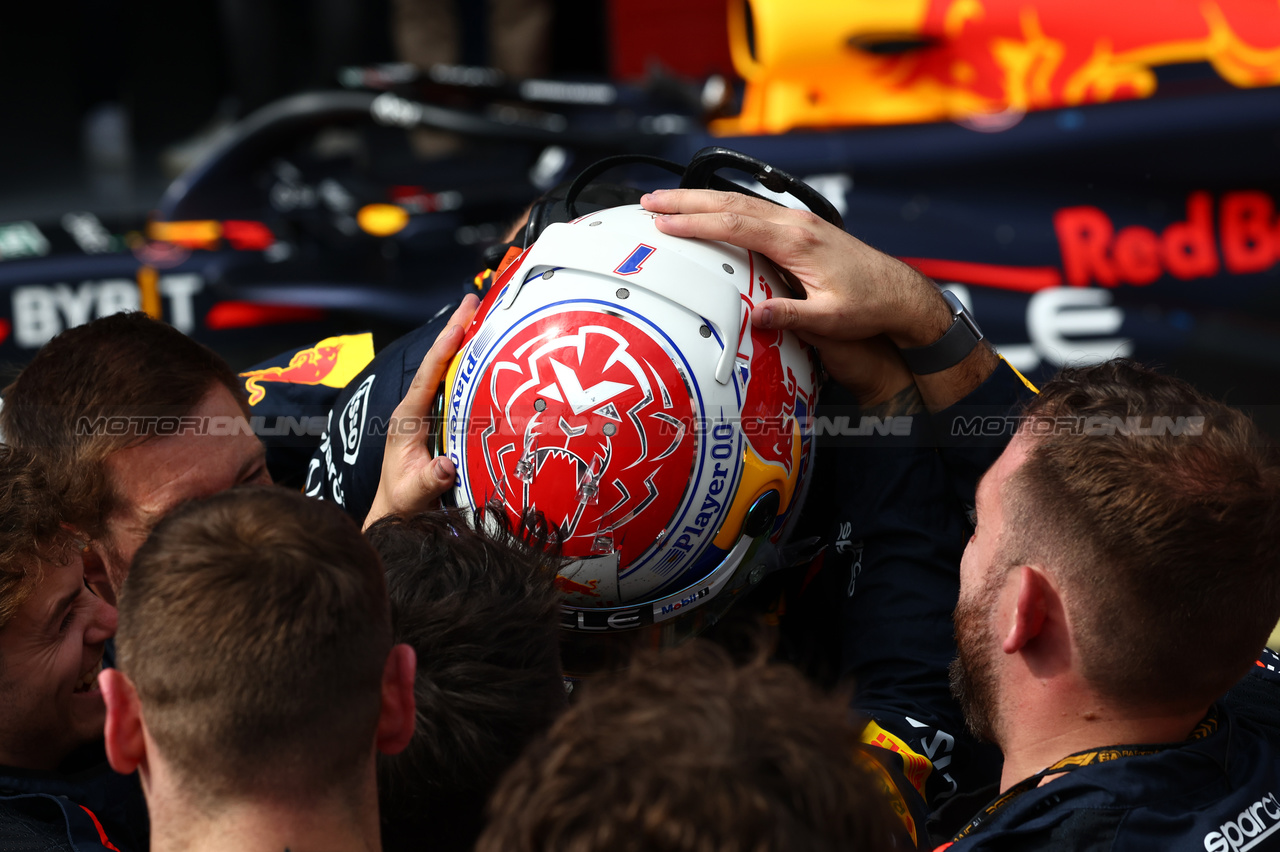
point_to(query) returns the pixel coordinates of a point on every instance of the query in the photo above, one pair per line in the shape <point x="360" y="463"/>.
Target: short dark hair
<point x="1160" y="509"/>
<point x="30" y="530"/>
<point x="480" y="608"/>
<point x="256" y="628"/>
<point x="124" y="364"/>
<point x="685" y="751"/>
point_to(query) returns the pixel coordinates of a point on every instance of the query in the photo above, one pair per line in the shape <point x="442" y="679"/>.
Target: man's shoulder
<point x="1256" y="697"/>
<point x="41" y="822"/>
<point x="346" y="466"/>
<point x="1219" y="793"/>
<point x="34" y="822"/>
<point x="88" y="808"/>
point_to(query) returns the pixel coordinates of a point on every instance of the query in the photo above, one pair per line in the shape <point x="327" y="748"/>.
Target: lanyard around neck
<point x="1080" y="759"/>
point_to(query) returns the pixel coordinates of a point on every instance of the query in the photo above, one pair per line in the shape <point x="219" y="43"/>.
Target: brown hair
<point x="686" y="752"/>
<point x="255" y="626"/>
<point x="120" y="365"/>
<point x="480" y="607"/>
<point x="29" y="529"/>
<point x="1159" y="509"/>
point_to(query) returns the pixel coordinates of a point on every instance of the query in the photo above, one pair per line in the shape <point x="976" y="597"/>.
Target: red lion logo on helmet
<point x="585" y="416"/>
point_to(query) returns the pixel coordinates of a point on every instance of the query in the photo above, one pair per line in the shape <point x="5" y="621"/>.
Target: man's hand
<point x="412" y="479"/>
<point x="854" y="295"/>
<point x="871" y="369"/>
<point x="851" y="291"/>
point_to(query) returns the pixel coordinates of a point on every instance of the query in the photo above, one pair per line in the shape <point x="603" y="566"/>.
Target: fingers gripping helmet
<point x="612" y="380"/>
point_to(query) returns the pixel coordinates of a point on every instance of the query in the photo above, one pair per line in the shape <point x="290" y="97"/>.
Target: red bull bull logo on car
<point x="831" y="64"/>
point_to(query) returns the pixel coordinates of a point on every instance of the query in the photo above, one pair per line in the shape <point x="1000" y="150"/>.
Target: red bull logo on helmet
<point x="769" y="407"/>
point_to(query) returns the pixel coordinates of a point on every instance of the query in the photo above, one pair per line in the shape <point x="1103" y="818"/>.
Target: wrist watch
<point x="950" y="349"/>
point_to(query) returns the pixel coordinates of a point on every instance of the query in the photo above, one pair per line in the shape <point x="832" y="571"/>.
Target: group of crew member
<point x="283" y="675"/>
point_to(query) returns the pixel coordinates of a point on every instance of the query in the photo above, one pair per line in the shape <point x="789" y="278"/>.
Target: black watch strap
<point x="950" y="349"/>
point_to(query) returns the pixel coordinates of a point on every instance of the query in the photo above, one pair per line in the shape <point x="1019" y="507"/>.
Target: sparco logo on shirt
<point x="1248" y="829"/>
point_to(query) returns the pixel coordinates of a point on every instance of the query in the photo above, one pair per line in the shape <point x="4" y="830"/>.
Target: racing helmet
<point x="612" y="381"/>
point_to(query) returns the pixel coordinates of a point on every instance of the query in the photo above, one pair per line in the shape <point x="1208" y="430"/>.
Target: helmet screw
<point x="727" y="268"/>
<point x="704" y="331"/>
<point x="762" y="514"/>
<point x="593" y="224"/>
<point x="622" y="293"/>
<point x="539" y="405"/>
<point x="548" y="274"/>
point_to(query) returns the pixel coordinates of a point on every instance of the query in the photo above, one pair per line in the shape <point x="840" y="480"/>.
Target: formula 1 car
<point x="1091" y="184"/>
<point x="315" y="218"/>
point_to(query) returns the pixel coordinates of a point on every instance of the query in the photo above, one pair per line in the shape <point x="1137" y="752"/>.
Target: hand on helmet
<point x="871" y="369"/>
<point x="412" y="479"/>
<point x="852" y="291"/>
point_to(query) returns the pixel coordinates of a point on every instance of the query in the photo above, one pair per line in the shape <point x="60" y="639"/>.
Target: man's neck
<point x="1043" y="736"/>
<point x="326" y="824"/>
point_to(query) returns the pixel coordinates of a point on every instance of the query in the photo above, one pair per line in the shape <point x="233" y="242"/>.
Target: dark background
<point x="166" y="63"/>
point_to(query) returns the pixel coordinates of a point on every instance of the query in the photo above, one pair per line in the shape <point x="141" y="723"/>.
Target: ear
<point x="395" y="722"/>
<point x="125" y="743"/>
<point x="1036" y="598"/>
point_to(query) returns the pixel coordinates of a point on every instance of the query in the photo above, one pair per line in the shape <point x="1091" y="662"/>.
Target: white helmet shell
<point x="612" y="381"/>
